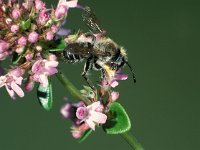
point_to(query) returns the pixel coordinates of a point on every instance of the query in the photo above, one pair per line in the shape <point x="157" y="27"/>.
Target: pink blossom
<point x="11" y="81"/>
<point x="39" y="5"/>
<point x="14" y="28"/>
<point x="49" y="35"/>
<point x="42" y="69"/>
<point x="77" y="132"/>
<point x="43" y="17"/>
<point x="113" y="82"/>
<point x="62" y="8"/>
<point x="90" y="115"/>
<point x="20" y="50"/>
<point x="16" y="13"/>
<point x="22" y="41"/>
<point x="3" y="46"/>
<point x="33" y="37"/>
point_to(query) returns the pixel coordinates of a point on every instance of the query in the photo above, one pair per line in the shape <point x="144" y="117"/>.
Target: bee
<point x="99" y="51"/>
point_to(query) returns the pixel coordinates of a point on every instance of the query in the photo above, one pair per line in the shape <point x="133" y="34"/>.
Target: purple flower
<point x="90" y="115"/>
<point x="42" y="69"/>
<point x="33" y="37"/>
<point x="11" y="81"/>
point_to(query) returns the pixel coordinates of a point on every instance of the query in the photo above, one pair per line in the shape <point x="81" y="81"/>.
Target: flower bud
<point x="20" y="50"/>
<point x="114" y="96"/>
<point x="29" y="85"/>
<point x="49" y="36"/>
<point x="14" y="28"/>
<point x="39" y="5"/>
<point x="22" y="41"/>
<point x="54" y="28"/>
<point x="8" y="21"/>
<point x="43" y="17"/>
<point x="60" y="11"/>
<point x="3" y="46"/>
<point x="33" y="37"/>
<point x="16" y="13"/>
<point x="39" y="48"/>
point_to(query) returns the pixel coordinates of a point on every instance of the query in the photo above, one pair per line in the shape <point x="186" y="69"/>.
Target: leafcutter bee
<point x="99" y="51"/>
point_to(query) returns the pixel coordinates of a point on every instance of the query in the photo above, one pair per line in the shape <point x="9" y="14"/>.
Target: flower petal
<point x="10" y="92"/>
<point x="17" y="89"/>
<point x="98" y="117"/>
<point x="43" y="80"/>
<point x="90" y="123"/>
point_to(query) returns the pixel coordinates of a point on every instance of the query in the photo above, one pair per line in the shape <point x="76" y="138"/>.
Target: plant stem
<point x="132" y="141"/>
<point x="71" y="88"/>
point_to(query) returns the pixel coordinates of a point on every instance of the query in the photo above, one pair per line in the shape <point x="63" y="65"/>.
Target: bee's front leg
<point x="87" y="68"/>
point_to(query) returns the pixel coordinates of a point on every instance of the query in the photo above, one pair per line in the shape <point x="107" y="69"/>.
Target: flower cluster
<point x="87" y="116"/>
<point x="26" y="30"/>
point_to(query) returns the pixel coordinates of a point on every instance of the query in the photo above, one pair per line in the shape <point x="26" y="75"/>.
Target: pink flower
<point x="49" y="35"/>
<point x="33" y="37"/>
<point x="90" y="115"/>
<point x="3" y="46"/>
<point x="39" y="5"/>
<point x="62" y="8"/>
<point x="42" y="69"/>
<point x="113" y="81"/>
<point x="11" y="81"/>
<point x="16" y="13"/>
<point x="43" y="17"/>
<point x="22" y="41"/>
<point x="14" y="28"/>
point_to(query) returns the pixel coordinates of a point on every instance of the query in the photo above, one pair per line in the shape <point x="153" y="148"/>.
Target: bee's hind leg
<point x="87" y="68"/>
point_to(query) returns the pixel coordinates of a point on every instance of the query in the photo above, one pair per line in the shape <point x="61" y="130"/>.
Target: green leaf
<point x="45" y="96"/>
<point x="26" y="24"/>
<point x="118" y="121"/>
<point x="85" y="135"/>
<point x="58" y="45"/>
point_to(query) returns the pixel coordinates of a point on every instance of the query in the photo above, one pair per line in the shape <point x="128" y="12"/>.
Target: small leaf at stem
<point x="58" y="45"/>
<point x="118" y="121"/>
<point x="45" y="96"/>
<point x="26" y="24"/>
<point x="85" y="135"/>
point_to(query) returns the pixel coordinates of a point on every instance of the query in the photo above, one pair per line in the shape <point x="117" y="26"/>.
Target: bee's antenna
<point x="134" y="78"/>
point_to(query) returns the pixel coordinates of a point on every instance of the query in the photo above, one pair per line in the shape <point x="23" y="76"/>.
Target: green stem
<point x="71" y="88"/>
<point x="132" y="141"/>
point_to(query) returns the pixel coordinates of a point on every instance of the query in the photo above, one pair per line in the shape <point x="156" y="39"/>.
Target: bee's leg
<point x="87" y="68"/>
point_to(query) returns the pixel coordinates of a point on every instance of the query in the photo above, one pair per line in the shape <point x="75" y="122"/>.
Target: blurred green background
<point x="162" y="40"/>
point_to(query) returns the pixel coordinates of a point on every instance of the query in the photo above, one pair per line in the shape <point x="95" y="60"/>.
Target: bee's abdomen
<point x="72" y="58"/>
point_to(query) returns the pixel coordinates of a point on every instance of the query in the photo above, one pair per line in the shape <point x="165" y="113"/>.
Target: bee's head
<point x="119" y="60"/>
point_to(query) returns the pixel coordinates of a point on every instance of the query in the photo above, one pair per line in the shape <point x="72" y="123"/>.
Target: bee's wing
<point x="78" y="49"/>
<point x="91" y="21"/>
